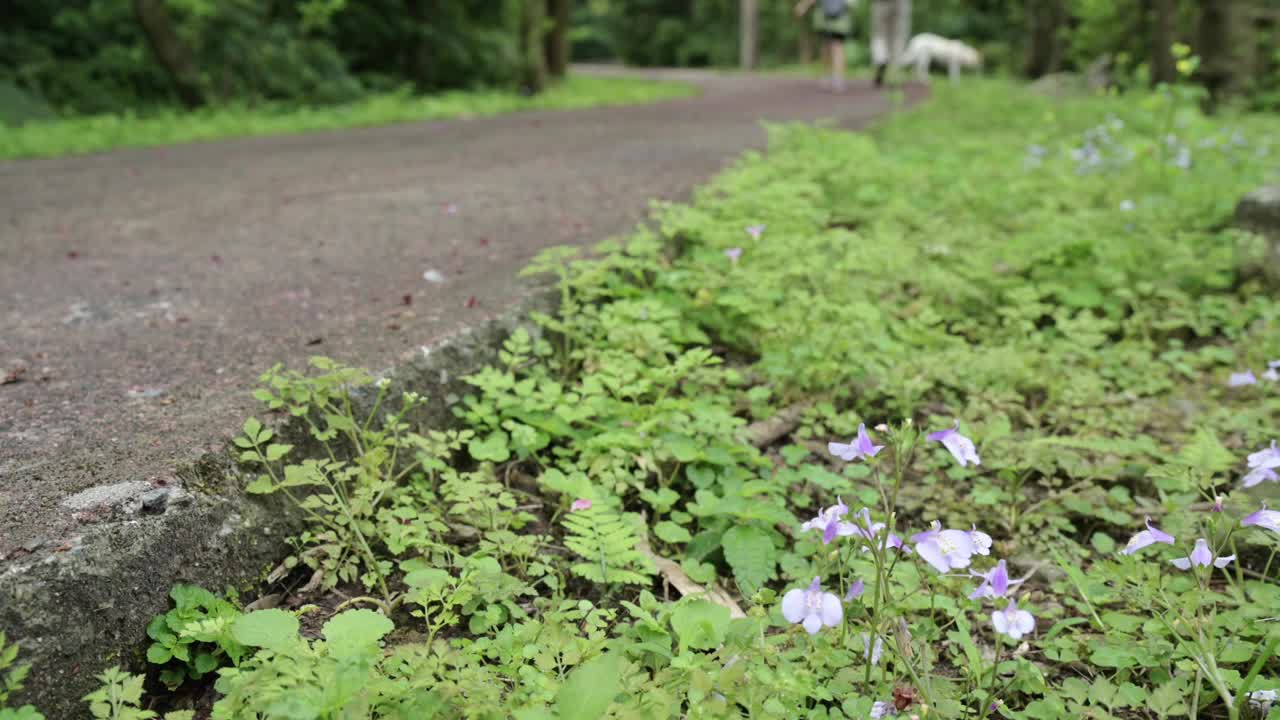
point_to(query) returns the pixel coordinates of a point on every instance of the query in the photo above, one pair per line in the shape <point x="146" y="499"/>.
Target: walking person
<point x="833" y="22"/>
<point x="890" y="29"/>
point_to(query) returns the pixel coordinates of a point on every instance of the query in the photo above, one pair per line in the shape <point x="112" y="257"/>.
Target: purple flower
<point x="945" y="550"/>
<point x="733" y="254"/>
<point x="1262" y="465"/>
<point x="1272" y="373"/>
<point x="1150" y="536"/>
<point x="861" y="447"/>
<point x="1013" y="622"/>
<point x="580" y="504"/>
<point x="1268" y="457"/>
<point x="870" y="652"/>
<point x="960" y="446"/>
<point x="1202" y="557"/>
<point x="755" y="231"/>
<point x="1264" y="518"/>
<point x="981" y="541"/>
<point x="1217" y="503"/>
<point x="812" y="608"/>
<point x="828" y="521"/>
<point x="1240" y="379"/>
<point x="995" y="582"/>
<point x="870" y="531"/>
<point x="855" y="591"/>
<point x="1257" y="476"/>
<point x="883" y="709"/>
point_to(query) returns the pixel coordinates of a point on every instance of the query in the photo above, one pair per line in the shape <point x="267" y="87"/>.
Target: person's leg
<point x="837" y="64"/>
<point x="825" y="52"/>
<point x="901" y="28"/>
<point x="881" y="11"/>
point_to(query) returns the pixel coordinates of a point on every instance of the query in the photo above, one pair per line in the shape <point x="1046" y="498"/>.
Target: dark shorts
<point x="829" y="35"/>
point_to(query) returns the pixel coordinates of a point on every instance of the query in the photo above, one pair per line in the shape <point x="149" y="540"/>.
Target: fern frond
<point x="607" y="541"/>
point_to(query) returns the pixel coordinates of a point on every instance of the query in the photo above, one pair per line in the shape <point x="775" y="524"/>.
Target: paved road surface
<point x="144" y="290"/>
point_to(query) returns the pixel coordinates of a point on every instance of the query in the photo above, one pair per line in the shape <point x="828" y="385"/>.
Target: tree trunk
<point x="420" y="52"/>
<point x="1162" y="23"/>
<point x="748" y="33"/>
<point x="172" y="55"/>
<point x="1215" y="49"/>
<point x="804" y="37"/>
<point x="533" y="71"/>
<point x="557" y="42"/>
<point x="1044" y="46"/>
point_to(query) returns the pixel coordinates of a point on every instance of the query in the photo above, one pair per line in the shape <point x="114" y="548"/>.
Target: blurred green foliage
<point x="92" y="56"/>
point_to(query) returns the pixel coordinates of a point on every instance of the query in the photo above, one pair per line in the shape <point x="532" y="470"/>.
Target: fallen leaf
<point x="14" y="375"/>
<point x="681" y="582"/>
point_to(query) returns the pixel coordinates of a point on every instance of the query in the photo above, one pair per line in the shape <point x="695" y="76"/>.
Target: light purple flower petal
<point x="812" y="608"/>
<point x="945" y="549"/>
<point x="995" y="582"/>
<point x="855" y="591"/>
<point x="1268" y="457"/>
<point x="755" y="231"/>
<point x="793" y="605"/>
<point x="1257" y="476"/>
<point x="882" y="709"/>
<point x="960" y="447"/>
<point x="848" y="453"/>
<point x="1201" y="555"/>
<point x="733" y="254"/>
<point x="1150" y="536"/>
<point x="872" y="653"/>
<point x="812" y="623"/>
<point x="580" y="504"/>
<point x="865" y="446"/>
<point x="980" y="540"/>
<point x="832" y="612"/>
<point x="1264" y="518"/>
<point x="933" y="556"/>
<point x="1240" y="379"/>
<point x="1013" y="622"/>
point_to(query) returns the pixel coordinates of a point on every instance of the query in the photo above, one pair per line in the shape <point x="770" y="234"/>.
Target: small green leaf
<point x="670" y="532"/>
<point x="355" y="631"/>
<point x="158" y="654"/>
<point x="750" y="552"/>
<point x="590" y="688"/>
<point x="273" y="629"/>
<point x="700" y="624"/>
<point x="492" y="448"/>
<point x="275" y="451"/>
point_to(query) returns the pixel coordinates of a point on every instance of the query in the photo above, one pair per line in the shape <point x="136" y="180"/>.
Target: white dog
<point x="927" y="48"/>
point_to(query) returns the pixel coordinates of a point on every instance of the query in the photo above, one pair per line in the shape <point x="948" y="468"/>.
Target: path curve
<point x="145" y="289"/>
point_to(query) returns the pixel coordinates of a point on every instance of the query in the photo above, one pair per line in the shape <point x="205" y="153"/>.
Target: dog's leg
<point x="953" y="68"/>
<point x="923" y="60"/>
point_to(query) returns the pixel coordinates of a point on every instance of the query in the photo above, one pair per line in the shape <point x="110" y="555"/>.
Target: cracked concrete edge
<point x="1259" y="212"/>
<point x="83" y="606"/>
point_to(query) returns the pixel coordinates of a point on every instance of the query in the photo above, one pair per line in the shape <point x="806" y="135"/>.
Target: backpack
<point x="833" y="9"/>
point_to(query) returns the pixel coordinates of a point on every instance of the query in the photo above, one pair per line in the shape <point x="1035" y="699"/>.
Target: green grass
<point x="106" y="132"/>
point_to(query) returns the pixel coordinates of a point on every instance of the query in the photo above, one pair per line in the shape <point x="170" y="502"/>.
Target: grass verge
<point x="106" y="132"/>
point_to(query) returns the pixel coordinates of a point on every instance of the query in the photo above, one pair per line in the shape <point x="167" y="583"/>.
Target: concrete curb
<point x="83" y="606"/>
